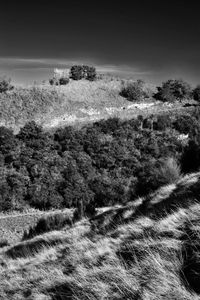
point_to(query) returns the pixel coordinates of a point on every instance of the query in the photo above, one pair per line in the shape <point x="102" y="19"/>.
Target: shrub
<point x="63" y="80"/>
<point x="90" y="73"/>
<point x="54" y="81"/>
<point x="169" y="171"/>
<point x="173" y="90"/>
<point x="196" y="93"/>
<point x="185" y="124"/>
<point x="46" y="224"/>
<point x="30" y="131"/>
<point x="108" y="126"/>
<point x="78" y="72"/>
<point x="5" y="85"/>
<point x="59" y="81"/>
<point x="133" y="91"/>
<point x="157" y="173"/>
<point x="163" y="122"/>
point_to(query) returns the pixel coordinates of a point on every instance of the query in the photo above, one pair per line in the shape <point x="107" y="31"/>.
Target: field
<point x="137" y="251"/>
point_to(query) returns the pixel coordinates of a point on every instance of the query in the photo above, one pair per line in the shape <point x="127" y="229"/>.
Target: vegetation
<point x="78" y="72"/>
<point x="132" y="228"/>
<point x="59" y="81"/>
<point x="173" y="90"/>
<point x="48" y="223"/>
<point x="147" y="249"/>
<point x="5" y="85"/>
<point x="134" y="91"/>
<point x="196" y="93"/>
<point x="106" y="163"/>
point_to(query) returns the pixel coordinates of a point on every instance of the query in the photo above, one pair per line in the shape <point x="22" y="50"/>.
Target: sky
<point x="152" y="40"/>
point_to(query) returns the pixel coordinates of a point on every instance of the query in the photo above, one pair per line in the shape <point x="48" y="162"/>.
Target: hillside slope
<point x="148" y="249"/>
<point x="76" y="103"/>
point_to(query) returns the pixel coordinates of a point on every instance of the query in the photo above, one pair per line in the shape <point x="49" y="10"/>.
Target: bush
<point x="78" y="72"/>
<point x="196" y="93"/>
<point x="90" y="73"/>
<point x="54" y="81"/>
<point x="59" y="81"/>
<point x="157" y="173"/>
<point x="134" y="91"/>
<point x="30" y="131"/>
<point x="5" y="85"/>
<point x="63" y="80"/>
<point x="185" y="124"/>
<point x="163" y="122"/>
<point x="173" y="90"/>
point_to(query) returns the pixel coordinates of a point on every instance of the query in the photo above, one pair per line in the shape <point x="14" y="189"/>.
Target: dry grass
<point x="78" y="102"/>
<point x="13" y="226"/>
<point x="148" y="249"/>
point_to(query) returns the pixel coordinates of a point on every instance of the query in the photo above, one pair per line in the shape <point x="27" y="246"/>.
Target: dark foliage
<point x="134" y="91"/>
<point x="59" y="81"/>
<point x="78" y="72"/>
<point x="196" y="93"/>
<point x="185" y="124"/>
<point x="172" y="90"/>
<point x="162" y="123"/>
<point x="54" y="81"/>
<point x="109" y="162"/>
<point x="63" y="80"/>
<point x="191" y="157"/>
<point x="5" y="85"/>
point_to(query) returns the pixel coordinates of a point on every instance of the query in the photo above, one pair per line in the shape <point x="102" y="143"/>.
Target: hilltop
<point x="147" y="249"/>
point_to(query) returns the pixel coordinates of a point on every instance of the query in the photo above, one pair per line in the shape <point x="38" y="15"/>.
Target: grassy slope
<point x="78" y="102"/>
<point x="148" y="249"/>
<point x="12" y="226"/>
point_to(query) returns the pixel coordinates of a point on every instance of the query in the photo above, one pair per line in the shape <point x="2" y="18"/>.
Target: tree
<point x="8" y="142"/>
<point x="172" y="90"/>
<point x="76" y="72"/>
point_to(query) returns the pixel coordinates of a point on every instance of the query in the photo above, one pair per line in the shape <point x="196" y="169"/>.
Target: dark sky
<point x="148" y="39"/>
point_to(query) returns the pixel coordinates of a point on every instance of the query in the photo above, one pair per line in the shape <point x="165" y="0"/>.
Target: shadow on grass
<point x="190" y="272"/>
<point x="31" y="247"/>
<point x="182" y="197"/>
<point x="60" y="291"/>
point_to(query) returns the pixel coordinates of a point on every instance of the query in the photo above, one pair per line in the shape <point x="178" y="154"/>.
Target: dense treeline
<point x="109" y="162"/>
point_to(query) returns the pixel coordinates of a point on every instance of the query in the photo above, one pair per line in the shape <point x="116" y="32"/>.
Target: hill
<point x="147" y="249"/>
<point x="78" y="102"/>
